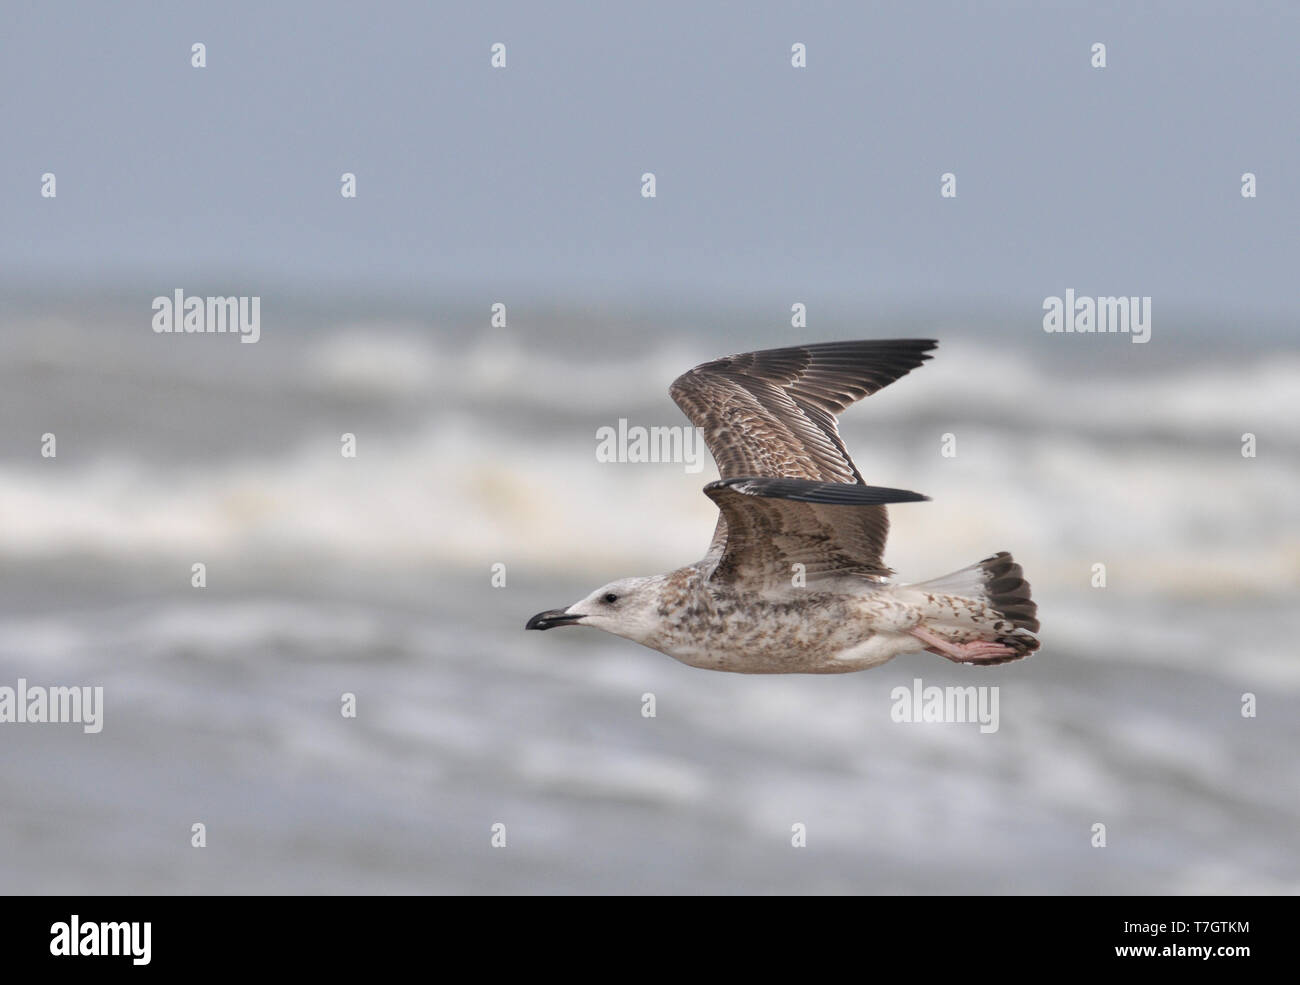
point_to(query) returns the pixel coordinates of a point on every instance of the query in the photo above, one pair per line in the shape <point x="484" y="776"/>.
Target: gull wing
<point x="772" y="413"/>
<point x="832" y="529"/>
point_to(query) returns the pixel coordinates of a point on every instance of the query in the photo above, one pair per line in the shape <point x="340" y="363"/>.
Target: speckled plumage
<point x="794" y="580"/>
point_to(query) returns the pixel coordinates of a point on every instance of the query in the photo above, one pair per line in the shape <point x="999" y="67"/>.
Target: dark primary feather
<point x="827" y="493"/>
<point x="772" y="413"/>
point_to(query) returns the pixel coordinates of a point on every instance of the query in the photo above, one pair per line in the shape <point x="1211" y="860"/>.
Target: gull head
<point x="628" y="608"/>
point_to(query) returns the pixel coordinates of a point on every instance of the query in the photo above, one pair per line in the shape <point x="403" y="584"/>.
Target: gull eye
<point x="611" y="598"/>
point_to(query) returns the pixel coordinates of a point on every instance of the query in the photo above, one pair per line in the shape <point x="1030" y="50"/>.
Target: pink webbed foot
<point x="963" y="653"/>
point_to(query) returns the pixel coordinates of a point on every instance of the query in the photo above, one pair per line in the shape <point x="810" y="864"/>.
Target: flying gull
<point x="794" y="580"/>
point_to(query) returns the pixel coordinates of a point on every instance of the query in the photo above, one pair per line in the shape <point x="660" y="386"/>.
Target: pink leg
<point x="962" y="653"/>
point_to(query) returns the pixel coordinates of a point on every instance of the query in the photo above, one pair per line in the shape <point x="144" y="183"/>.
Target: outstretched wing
<point x="774" y="524"/>
<point x="772" y="413"/>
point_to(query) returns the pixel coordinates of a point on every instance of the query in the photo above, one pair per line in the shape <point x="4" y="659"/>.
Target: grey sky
<point x="772" y="181"/>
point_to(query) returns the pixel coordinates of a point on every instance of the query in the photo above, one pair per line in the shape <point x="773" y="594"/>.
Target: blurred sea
<point x="476" y="446"/>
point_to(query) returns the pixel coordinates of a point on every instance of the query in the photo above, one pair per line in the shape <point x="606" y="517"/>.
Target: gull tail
<point x="1005" y="611"/>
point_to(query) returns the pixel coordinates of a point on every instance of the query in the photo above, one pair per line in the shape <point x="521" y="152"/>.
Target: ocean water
<point x="476" y="448"/>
